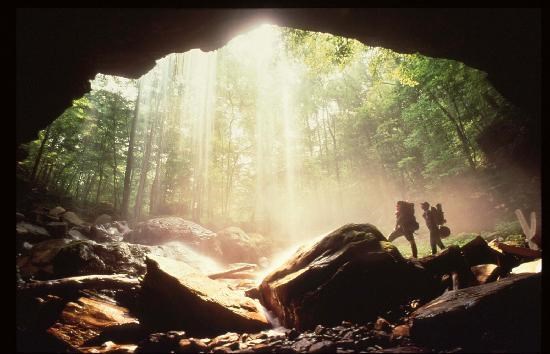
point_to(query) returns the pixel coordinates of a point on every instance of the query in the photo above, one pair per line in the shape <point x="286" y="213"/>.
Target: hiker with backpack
<point x="405" y="225"/>
<point x="434" y="218"/>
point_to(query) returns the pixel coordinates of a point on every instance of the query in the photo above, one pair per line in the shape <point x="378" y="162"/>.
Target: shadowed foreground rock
<point x="500" y="316"/>
<point x="85" y="319"/>
<point x="177" y="297"/>
<point x="351" y="274"/>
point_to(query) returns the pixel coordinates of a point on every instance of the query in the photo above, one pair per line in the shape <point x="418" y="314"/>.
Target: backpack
<point x="438" y="215"/>
<point x="406" y="209"/>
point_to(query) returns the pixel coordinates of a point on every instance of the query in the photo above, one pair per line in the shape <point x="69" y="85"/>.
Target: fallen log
<point x="73" y="284"/>
<point x="519" y="251"/>
<point x="230" y="274"/>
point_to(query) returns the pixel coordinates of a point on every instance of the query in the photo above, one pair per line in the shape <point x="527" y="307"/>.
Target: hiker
<point x="405" y="225"/>
<point x="433" y="217"/>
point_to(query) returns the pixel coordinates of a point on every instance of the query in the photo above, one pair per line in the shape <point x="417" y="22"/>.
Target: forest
<point x="288" y="133"/>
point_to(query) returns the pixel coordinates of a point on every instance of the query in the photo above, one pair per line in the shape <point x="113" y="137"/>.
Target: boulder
<point x="160" y="230"/>
<point x="176" y="296"/>
<point x="72" y="219"/>
<point x="89" y="257"/>
<point x="30" y="232"/>
<point x="485" y="273"/>
<point x="103" y="219"/>
<point x="57" y="229"/>
<point x="58" y="210"/>
<point x="161" y="342"/>
<point x="75" y="234"/>
<point x="232" y="245"/>
<point x="529" y="267"/>
<point x="351" y="274"/>
<point x="87" y="318"/>
<point x="503" y="316"/>
<point x="105" y="233"/>
<point x="38" y="263"/>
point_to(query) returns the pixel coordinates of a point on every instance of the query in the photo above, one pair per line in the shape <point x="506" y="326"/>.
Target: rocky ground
<point x="170" y="285"/>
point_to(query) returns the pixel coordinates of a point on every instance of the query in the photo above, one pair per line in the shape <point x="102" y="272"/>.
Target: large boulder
<point x="160" y="230"/>
<point x="351" y="274"/>
<point x="502" y="316"/>
<point x="89" y="257"/>
<point x="60" y="258"/>
<point x="232" y="245"/>
<point x="38" y="262"/>
<point x="175" y="296"/>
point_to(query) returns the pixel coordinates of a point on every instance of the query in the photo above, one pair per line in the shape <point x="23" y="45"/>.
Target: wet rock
<point x="489" y="317"/>
<point x="75" y="234"/>
<point x="38" y="263"/>
<point x="110" y="348"/>
<point x="105" y="233"/>
<point x="161" y="342"/>
<point x="224" y="339"/>
<point x="57" y="229"/>
<point x="30" y="232"/>
<point x="177" y="296"/>
<point x="262" y="348"/>
<point x="253" y="293"/>
<point x="404" y="349"/>
<point x="103" y="219"/>
<point x="485" y="273"/>
<point x="319" y="329"/>
<point x="351" y="274"/>
<point x="322" y="347"/>
<point x="73" y="219"/>
<point x="85" y="319"/>
<point x="401" y="331"/>
<point x="302" y="345"/>
<point x="160" y="230"/>
<point x="382" y="325"/>
<point x="292" y="334"/>
<point x="57" y="211"/>
<point x="345" y="344"/>
<point x="191" y="345"/>
<point x="232" y="245"/>
<point x="528" y="267"/>
<point x="89" y="257"/>
<point x="179" y="251"/>
<point x="122" y="227"/>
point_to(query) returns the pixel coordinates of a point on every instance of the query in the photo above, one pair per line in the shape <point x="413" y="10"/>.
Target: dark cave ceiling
<point x="59" y="50"/>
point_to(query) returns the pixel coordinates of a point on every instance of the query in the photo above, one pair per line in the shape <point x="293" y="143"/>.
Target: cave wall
<point x="59" y="50"/>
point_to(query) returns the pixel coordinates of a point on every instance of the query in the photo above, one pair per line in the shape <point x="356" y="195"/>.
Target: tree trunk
<point x="461" y="134"/>
<point x="155" y="187"/>
<point x="145" y="167"/>
<point x="130" y="159"/>
<point x="39" y="155"/>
